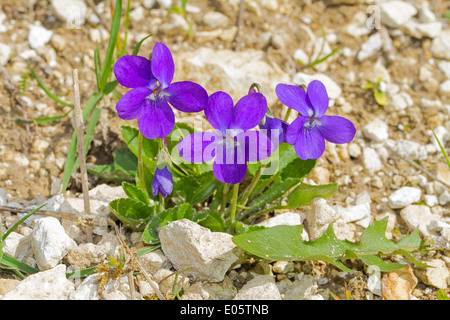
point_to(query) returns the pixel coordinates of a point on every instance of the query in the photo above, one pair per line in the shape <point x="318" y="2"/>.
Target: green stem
<point x="226" y="189"/>
<point x="161" y="202"/>
<point x="288" y="113"/>
<point x="141" y="163"/>
<point x="234" y="206"/>
<point x="252" y="185"/>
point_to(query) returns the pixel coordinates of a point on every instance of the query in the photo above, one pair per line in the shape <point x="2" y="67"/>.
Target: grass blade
<point x="10" y="262"/>
<point x="43" y="87"/>
<point x="442" y="150"/>
<point x="139" y="44"/>
<point x="107" y="63"/>
<point x="7" y="233"/>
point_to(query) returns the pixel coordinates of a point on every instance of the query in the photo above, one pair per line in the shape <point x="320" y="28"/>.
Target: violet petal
<point x="219" y="111"/>
<point x="337" y="129"/>
<point x="156" y="120"/>
<point x="134" y="72"/>
<point x="294" y="97"/>
<point x="249" y="112"/>
<point x="163" y="67"/>
<point x="187" y="96"/>
<point x="310" y="144"/>
<point x="318" y="96"/>
<point x="130" y="104"/>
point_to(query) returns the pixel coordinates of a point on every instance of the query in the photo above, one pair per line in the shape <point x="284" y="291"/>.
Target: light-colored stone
<point x="355" y="212"/>
<point x="370" y="47"/>
<point x="261" y="287"/>
<point x="215" y="19"/>
<point x="440" y="47"/>
<point x="411" y="150"/>
<point x="396" y="13"/>
<point x="154" y="260"/>
<point x="38" y="36"/>
<point x="283" y="266"/>
<point x="50" y="243"/>
<point x="230" y="71"/>
<point x="435" y="276"/>
<point x="286" y="218"/>
<point x="319" y="217"/>
<point x="5" y="53"/>
<point x="376" y="130"/>
<point x="72" y="12"/>
<point x="404" y="197"/>
<point x="398" y="284"/>
<point x="333" y="89"/>
<point x="201" y="290"/>
<point x="7" y="285"/>
<point x="302" y="289"/>
<point x="371" y="160"/>
<point x="87" y="290"/>
<point x="45" y="285"/>
<point x="208" y="254"/>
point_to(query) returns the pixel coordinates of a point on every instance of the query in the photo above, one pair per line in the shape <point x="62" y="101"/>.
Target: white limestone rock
<point x="395" y="14"/>
<point x="51" y="284"/>
<point x="404" y="197"/>
<point x="261" y="287"/>
<point x="50" y="243"/>
<point x="376" y="130"/>
<point x="189" y="245"/>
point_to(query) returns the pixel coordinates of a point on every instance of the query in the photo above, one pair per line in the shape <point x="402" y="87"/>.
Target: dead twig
<point x="431" y="175"/>
<point x="237" y="39"/>
<point x="135" y="262"/>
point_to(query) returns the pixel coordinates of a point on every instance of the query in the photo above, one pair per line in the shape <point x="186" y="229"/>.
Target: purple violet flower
<point x="232" y="144"/>
<point x="310" y="130"/>
<point x="276" y="127"/>
<point x="152" y="91"/>
<point x="162" y="182"/>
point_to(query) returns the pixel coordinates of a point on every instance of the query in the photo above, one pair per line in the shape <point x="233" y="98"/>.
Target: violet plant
<point x="249" y="163"/>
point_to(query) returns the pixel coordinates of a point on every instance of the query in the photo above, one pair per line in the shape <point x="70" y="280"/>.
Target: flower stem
<point x="288" y="113"/>
<point x="141" y="164"/>
<point x="252" y="185"/>
<point x="226" y="189"/>
<point x="161" y="202"/>
<point x="234" y="206"/>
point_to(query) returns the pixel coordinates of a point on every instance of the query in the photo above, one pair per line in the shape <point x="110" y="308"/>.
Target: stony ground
<point x="392" y="168"/>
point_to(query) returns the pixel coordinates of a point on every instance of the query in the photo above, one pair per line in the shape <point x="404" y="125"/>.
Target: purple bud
<point x="276" y="127"/>
<point x="162" y="182"/>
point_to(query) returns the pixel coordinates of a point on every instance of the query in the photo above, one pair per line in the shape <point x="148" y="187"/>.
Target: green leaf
<point x="10" y="262"/>
<point x="298" y="168"/>
<point x="275" y="192"/>
<point x="367" y="85"/>
<point x="149" y="147"/>
<point x="285" y="243"/>
<point x="441" y="295"/>
<point x="305" y="193"/>
<point x="110" y="86"/>
<point x="123" y="168"/>
<point x="196" y="188"/>
<point x="150" y="235"/>
<point x="132" y="213"/>
<point x="211" y="219"/>
<point x="135" y="192"/>
<point x="380" y="97"/>
<point x="107" y="63"/>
